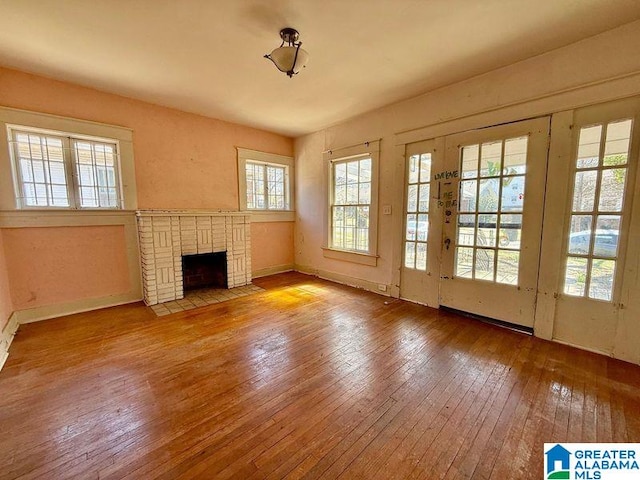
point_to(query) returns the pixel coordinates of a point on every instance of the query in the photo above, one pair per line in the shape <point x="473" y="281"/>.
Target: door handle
<point x="447" y="243"/>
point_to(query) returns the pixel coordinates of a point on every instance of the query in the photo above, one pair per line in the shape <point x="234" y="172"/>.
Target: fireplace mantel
<point x="166" y="235"/>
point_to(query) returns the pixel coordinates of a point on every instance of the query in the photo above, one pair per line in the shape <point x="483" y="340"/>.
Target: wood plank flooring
<point x="306" y="380"/>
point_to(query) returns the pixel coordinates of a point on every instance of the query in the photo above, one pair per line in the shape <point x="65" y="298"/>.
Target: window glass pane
<point x="40" y="165"/>
<point x="365" y="170"/>
<point x="352" y="193"/>
<point x="466" y="229"/>
<point x="464" y="262"/>
<point x="607" y="234"/>
<point x="352" y="172"/>
<point x="589" y="147"/>
<point x="364" y="193"/>
<point x="616" y="148"/>
<point x="95" y="163"/>
<point x="575" y="278"/>
<point x="340" y="174"/>
<point x="490" y="159"/>
<point x="515" y="156"/>
<point x="512" y="194"/>
<point x="484" y="267"/>
<point x="612" y="189"/>
<point x="470" y="155"/>
<point x="584" y="191"/>
<point x="508" y="264"/>
<point x="580" y="234"/>
<point x="602" y="273"/>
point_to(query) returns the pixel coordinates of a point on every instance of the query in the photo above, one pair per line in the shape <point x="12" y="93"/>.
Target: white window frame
<point x="70" y="161"/>
<point x="245" y="156"/>
<point x="370" y="149"/>
<point x="40" y="123"/>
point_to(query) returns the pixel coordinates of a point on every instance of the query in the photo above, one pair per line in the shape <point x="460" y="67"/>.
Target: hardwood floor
<point x="308" y="379"/>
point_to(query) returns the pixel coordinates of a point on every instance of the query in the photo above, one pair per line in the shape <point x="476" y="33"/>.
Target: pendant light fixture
<point x="289" y="58"/>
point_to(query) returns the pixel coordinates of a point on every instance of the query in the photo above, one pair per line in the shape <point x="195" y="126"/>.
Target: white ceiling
<point x="205" y="56"/>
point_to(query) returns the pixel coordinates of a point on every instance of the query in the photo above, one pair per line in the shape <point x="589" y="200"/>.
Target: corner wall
<point x="598" y="69"/>
<point x="182" y="161"/>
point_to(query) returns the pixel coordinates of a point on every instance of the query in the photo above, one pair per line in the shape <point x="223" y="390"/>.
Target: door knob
<point x="447" y="243"/>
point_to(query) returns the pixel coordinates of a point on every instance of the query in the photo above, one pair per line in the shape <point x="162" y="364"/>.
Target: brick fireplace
<point x="166" y="236"/>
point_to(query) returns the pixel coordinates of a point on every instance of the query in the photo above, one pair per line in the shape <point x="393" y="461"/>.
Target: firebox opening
<point x="204" y="270"/>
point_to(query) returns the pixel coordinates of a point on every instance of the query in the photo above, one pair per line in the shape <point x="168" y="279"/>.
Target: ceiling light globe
<point x="283" y="58"/>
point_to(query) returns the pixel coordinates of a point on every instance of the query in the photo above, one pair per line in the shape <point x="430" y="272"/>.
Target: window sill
<point x="64" y="217"/>
<point x="348" y="256"/>
<point x="265" y="216"/>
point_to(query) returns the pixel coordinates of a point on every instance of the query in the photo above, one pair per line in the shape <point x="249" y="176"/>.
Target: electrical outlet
<point x="382" y="287"/>
<point x="386" y="209"/>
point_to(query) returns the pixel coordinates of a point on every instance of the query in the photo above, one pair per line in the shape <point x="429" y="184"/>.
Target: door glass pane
<point x="487" y="230"/>
<point x="510" y="231"/>
<point x="488" y="195"/>
<point x="515" y="156"/>
<point x="612" y="189"/>
<point x="575" y="278"/>
<point x="467" y="200"/>
<point x="423" y="227"/>
<point x="616" y="148"/>
<point x="589" y="147"/>
<point x="425" y="168"/>
<point x="491" y="159"/>
<point x="484" y="267"/>
<point x="421" y="256"/>
<point x="464" y="262"/>
<point x="412" y="226"/>
<point x="466" y="229"/>
<point x="414" y="168"/>
<point x="412" y="198"/>
<point x="508" y="263"/>
<point x="601" y="284"/>
<point x="410" y="255"/>
<point x="470" y="161"/>
<point x="607" y="233"/>
<point x="423" y="201"/>
<point x="512" y="194"/>
<point x="584" y="191"/>
<point x="580" y="235"/>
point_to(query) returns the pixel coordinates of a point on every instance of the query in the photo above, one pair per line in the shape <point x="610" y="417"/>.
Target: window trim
<point x="16" y="119"/>
<point x="370" y="149"/>
<point x="246" y="155"/>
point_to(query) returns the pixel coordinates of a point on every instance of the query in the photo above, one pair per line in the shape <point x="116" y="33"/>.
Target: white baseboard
<point x="343" y="279"/>
<point x="61" y="309"/>
<point x="264" y="272"/>
<point x="8" y="332"/>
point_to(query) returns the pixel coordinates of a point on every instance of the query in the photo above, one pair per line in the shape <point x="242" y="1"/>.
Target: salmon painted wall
<point x="45" y="264"/>
<point x="182" y="161"/>
<point x="6" y="307"/>
<point x="271" y="245"/>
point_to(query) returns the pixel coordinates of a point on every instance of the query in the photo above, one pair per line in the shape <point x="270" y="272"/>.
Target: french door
<point x="493" y="184"/>
<point x="419" y="273"/>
